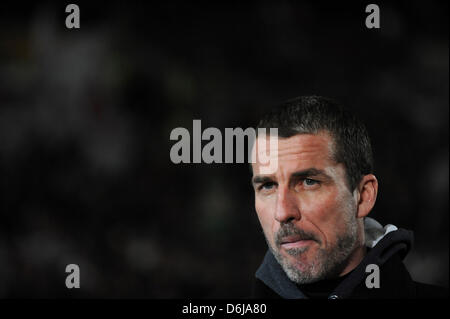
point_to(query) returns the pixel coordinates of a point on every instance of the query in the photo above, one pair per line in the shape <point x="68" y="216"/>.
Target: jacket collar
<point x="384" y="242"/>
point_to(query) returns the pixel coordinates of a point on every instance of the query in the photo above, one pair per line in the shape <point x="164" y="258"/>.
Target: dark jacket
<point x="388" y="252"/>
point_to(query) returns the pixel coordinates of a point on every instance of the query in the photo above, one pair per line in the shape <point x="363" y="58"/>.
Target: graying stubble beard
<point x="328" y="263"/>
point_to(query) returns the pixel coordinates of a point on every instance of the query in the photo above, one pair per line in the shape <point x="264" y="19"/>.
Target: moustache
<point x="289" y="230"/>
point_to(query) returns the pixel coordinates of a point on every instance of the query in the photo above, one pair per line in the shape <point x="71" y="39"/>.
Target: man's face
<point x="306" y="210"/>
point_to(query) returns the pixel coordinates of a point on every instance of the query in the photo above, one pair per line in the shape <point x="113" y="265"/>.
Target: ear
<point x="367" y="194"/>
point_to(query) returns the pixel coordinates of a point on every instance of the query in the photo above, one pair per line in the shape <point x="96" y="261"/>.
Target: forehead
<point x="300" y="151"/>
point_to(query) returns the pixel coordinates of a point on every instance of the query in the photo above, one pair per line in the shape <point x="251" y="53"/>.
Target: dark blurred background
<point x="85" y="118"/>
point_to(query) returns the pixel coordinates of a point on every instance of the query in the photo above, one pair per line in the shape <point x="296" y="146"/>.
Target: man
<point x="313" y="211"/>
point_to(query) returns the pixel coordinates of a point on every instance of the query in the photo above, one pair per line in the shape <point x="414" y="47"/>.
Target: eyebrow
<point x="310" y="172"/>
<point x="261" y="179"/>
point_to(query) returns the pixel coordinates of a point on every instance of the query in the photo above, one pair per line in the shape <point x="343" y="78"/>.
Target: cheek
<point x="327" y="213"/>
<point x="265" y="216"/>
<point x="320" y="206"/>
<point x="263" y="212"/>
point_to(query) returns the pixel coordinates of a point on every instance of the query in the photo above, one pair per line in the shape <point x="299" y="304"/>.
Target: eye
<point x="267" y="186"/>
<point x="310" y="182"/>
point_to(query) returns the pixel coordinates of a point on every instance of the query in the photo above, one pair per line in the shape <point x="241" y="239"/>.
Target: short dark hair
<point x="313" y="114"/>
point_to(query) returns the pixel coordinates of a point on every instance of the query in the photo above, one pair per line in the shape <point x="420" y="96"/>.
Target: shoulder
<point x="261" y="290"/>
<point x="430" y="291"/>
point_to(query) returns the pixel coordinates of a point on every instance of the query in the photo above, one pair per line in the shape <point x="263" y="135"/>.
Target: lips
<point x="295" y="242"/>
<point x="289" y="236"/>
<point x="290" y="239"/>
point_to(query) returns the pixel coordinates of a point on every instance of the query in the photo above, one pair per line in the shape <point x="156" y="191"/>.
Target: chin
<point x="301" y="263"/>
<point x="301" y="273"/>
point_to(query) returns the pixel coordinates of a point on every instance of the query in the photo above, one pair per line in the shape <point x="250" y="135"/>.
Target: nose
<point x="287" y="209"/>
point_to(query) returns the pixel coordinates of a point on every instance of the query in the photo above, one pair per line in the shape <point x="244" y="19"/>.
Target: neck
<point x="354" y="259"/>
<point x="360" y="250"/>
